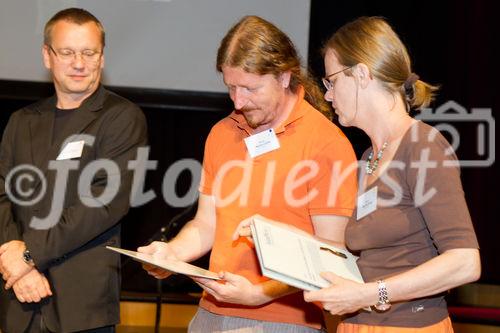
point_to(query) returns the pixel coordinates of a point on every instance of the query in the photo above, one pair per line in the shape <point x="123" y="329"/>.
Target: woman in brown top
<point x="412" y="228"/>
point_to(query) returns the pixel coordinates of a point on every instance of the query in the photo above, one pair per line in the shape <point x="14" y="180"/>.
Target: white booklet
<point x="171" y="265"/>
<point x="294" y="257"/>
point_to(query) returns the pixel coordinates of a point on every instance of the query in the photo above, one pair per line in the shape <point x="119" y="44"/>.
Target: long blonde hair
<point x="259" y="47"/>
<point x="372" y="41"/>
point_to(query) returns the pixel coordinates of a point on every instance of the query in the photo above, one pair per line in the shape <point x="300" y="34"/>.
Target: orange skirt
<point x="444" y="326"/>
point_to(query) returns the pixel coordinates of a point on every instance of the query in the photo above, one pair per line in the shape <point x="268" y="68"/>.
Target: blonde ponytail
<point x="423" y="95"/>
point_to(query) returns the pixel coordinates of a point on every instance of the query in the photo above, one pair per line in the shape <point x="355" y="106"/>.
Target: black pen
<point x="337" y="253"/>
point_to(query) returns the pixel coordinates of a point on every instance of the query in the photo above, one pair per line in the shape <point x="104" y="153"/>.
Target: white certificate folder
<point x="174" y="266"/>
<point x="297" y="258"/>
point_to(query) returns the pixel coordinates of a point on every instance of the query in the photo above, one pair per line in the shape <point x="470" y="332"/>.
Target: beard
<point x="256" y="117"/>
<point x="251" y="116"/>
<point x="253" y="124"/>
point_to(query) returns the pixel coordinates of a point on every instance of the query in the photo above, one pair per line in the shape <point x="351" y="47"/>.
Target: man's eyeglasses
<point x="326" y="80"/>
<point x="68" y="55"/>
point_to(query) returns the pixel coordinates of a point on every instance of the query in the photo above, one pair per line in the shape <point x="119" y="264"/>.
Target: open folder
<point x="297" y="258"/>
<point x="171" y="265"/>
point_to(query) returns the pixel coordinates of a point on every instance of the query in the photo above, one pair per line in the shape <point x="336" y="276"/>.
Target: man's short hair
<point x="74" y="15"/>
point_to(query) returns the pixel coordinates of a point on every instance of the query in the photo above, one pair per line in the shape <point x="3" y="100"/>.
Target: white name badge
<point x="262" y="143"/>
<point x="367" y="203"/>
<point x="71" y="150"/>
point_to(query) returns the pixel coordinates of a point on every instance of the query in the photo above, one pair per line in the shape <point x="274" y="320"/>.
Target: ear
<point x="284" y="79"/>
<point x="102" y="60"/>
<point x="46" y="57"/>
<point x="362" y="74"/>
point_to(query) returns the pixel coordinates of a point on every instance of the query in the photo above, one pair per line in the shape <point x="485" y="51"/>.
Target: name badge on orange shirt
<point x="262" y="143"/>
<point x="367" y="203"/>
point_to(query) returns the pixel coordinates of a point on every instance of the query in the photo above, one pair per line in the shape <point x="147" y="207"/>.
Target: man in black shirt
<point x="66" y="157"/>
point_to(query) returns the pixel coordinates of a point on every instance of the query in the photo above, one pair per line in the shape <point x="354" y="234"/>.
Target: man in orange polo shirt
<point x="275" y="155"/>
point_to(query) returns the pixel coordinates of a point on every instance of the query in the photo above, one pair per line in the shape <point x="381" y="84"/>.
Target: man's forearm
<point x="193" y="241"/>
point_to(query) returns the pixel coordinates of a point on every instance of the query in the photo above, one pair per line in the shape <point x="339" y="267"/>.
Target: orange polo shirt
<point x="308" y="175"/>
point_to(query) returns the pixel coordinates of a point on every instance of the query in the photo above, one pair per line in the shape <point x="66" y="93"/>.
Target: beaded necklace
<point x="372" y="166"/>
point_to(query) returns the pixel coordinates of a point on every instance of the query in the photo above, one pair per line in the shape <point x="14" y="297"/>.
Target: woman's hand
<point x="343" y="295"/>
<point x="243" y="229"/>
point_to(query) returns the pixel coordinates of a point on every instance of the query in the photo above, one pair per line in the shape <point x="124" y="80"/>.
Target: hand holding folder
<point x="171" y="265"/>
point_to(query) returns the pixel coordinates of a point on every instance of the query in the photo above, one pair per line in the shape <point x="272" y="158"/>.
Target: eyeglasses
<point x="68" y="55"/>
<point x="326" y="80"/>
